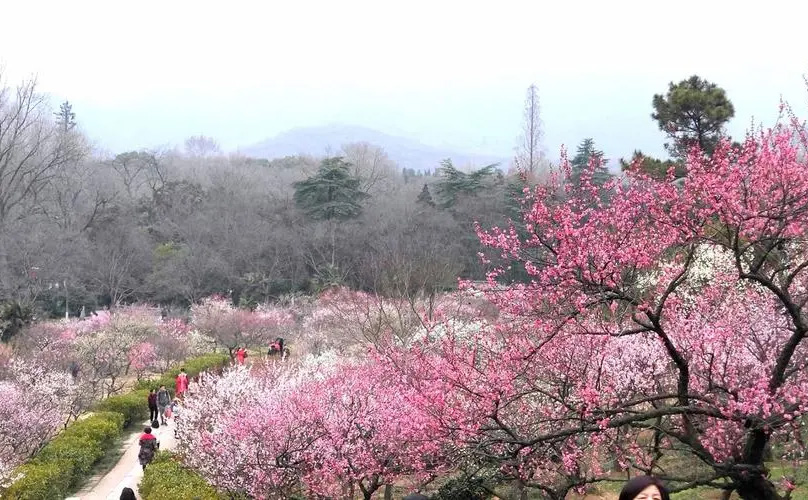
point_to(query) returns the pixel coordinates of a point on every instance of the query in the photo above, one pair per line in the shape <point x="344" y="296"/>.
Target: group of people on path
<point x="275" y="348"/>
<point x="161" y="407"/>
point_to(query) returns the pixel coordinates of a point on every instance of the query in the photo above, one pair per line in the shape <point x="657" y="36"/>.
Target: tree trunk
<point x="757" y="487"/>
<point x="388" y="492"/>
<point x="521" y="493"/>
<point x="333" y="243"/>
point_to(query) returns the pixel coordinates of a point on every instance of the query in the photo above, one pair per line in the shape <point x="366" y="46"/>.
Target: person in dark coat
<point x="128" y="494"/>
<point x="148" y="447"/>
<point x="152" y="400"/>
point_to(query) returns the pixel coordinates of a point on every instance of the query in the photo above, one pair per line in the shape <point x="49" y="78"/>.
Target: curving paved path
<point x="127" y="472"/>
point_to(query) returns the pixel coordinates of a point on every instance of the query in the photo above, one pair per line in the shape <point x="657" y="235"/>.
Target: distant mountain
<point x="328" y="139"/>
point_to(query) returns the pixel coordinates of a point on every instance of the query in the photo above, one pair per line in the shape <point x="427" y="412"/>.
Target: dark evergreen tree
<point x="692" y="113"/>
<point x="653" y="167"/>
<point x="454" y="183"/>
<point x="425" y="197"/>
<point x="333" y="194"/>
<point x="65" y="117"/>
<point x="586" y="154"/>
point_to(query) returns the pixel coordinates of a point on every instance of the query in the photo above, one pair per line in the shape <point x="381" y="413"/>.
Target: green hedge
<point x="193" y="367"/>
<point x="41" y="481"/>
<point x="462" y="488"/>
<point x="64" y="462"/>
<point x="131" y="405"/>
<point x="165" y="477"/>
<point x="80" y="452"/>
<point x="105" y="427"/>
<point x="67" y="459"/>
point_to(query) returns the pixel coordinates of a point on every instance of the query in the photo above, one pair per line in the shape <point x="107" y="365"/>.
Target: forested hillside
<point x="82" y="231"/>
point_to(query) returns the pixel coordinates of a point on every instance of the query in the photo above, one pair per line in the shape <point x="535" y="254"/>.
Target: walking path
<point x="127" y="472"/>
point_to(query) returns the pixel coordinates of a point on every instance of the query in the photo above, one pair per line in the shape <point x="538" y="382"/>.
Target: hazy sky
<point x="449" y="73"/>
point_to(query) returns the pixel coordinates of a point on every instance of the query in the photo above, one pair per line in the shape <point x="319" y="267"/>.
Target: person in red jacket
<point x="148" y="447"/>
<point x="181" y="382"/>
<point x="240" y="355"/>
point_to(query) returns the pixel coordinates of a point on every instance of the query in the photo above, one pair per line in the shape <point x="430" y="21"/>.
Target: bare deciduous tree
<point x="200" y="146"/>
<point x="75" y="198"/>
<point x="529" y="155"/>
<point x="139" y="171"/>
<point x="371" y="164"/>
<point x="32" y="147"/>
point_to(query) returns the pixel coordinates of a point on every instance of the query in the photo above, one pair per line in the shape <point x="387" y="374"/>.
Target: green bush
<point x="78" y="452"/>
<point x="133" y="406"/>
<point x="41" y="481"/>
<point x="462" y="488"/>
<point x="103" y="427"/>
<point x="68" y="458"/>
<point x="166" y="477"/>
<point x="193" y="367"/>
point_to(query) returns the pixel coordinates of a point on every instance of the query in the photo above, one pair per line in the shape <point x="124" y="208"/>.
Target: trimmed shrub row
<point x="166" y="477"/>
<point x="193" y="367"/>
<point x="63" y="463"/>
<point x="67" y="459"/>
<point x="132" y="406"/>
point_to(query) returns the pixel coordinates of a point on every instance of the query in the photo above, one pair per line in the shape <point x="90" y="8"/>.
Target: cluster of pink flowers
<point x="285" y="430"/>
<point x="225" y="325"/>
<point x="34" y="404"/>
<point x="667" y="319"/>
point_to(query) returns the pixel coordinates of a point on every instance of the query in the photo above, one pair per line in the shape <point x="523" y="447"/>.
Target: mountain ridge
<point x="329" y="139"/>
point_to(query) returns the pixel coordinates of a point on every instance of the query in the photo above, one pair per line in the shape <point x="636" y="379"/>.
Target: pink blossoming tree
<point x="333" y="431"/>
<point x="666" y="324"/>
<point x="232" y="327"/>
<point x="34" y="405"/>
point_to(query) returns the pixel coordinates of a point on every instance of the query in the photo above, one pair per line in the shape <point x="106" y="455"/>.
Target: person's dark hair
<point x="147" y="430"/>
<point x="128" y="494"/>
<point x="639" y="483"/>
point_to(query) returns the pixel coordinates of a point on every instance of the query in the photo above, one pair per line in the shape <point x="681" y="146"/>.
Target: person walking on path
<point x="152" y="400"/>
<point x="181" y="382"/>
<point x="148" y="447"/>
<point x="163" y="400"/>
<point x="128" y="494"/>
<point x="241" y="354"/>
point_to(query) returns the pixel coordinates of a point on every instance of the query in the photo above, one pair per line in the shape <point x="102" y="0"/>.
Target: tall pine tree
<point x="692" y="113"/>
<point x="332" y="195"/>
<point x="65" y="117"/>
<point x="586" y="154"/>
<point x="453" y="183"/>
